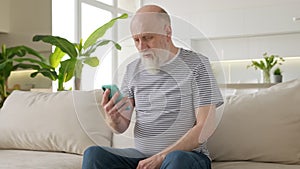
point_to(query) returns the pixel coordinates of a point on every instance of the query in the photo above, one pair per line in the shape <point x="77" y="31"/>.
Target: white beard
<point x="153" y="64"/>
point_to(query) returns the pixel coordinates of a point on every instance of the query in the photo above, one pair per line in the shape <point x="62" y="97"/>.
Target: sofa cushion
<point x="67" y="121"/>
<point x="263" y="126"/>
<point x="21" y="159"/>
<point x="126" y="139"/>
<point x="251" y="165"/>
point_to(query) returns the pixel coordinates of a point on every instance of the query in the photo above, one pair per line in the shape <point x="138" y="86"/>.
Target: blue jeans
<point x="97" y="157"/>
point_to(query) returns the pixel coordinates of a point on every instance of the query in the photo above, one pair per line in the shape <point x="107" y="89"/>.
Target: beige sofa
<point x="52" y="130"/>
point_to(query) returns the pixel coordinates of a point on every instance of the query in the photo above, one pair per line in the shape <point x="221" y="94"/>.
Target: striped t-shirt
<point x="165" y="102"/>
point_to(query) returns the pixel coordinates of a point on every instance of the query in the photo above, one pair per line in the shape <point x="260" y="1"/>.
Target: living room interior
<point x="231" y="33"/>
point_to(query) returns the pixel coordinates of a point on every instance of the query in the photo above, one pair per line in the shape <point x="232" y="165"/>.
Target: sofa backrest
<point x="67" y="121"/>
<point x="263" y="126"/>
<point x="124" y="140"/>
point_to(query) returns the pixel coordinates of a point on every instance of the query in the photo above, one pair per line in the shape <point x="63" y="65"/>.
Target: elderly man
<point x="174" y="94"/>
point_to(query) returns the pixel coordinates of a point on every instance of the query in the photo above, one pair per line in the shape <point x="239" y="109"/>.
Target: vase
<point x="277" y="78"/>
<point x="266" y="76"/>
<point x="77" y="83"/>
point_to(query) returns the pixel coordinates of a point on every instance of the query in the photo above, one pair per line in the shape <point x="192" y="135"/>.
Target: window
<point x="75" y="19"/>
<point x="108" y="2"/>
<point x="92" y="18"/>
<point x="63" y="19"/>
<point x="129" y="5"/>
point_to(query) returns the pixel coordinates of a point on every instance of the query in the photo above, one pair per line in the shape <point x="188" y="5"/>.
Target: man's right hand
<point x="117" y="115"/>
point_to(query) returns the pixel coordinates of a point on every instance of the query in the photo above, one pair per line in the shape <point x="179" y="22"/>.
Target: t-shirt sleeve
<point x="205" y="87"/>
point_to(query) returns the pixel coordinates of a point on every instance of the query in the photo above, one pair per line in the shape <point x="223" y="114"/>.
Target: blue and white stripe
<point x="165" y="103"/>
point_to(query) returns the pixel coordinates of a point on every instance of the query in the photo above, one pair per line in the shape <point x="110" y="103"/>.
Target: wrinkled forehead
<point x="149" y="22"/>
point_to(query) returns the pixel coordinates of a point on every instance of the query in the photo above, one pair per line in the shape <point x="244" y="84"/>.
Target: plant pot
<point x="277" y="78"/>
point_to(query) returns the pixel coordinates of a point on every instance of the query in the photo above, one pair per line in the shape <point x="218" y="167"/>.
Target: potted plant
<point x="78" y="54"/>
<point x="277" y="75"/>
<point x="266" y="64"/>
<point x="14" y="58"/>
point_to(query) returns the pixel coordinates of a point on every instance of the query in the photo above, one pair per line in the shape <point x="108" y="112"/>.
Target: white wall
<point x="249" y="21"/>
<point x="4" y="16"/>
<point x="219" y="18"/>
<point x="252" y="47"/>
<point x="235" y="32"/>
<point x="28" y="18"/>
<point x="253" y="31"/>
<point x="253" y="28"/>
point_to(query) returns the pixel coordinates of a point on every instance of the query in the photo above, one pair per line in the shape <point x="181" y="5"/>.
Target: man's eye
<point x="148" y="37"/>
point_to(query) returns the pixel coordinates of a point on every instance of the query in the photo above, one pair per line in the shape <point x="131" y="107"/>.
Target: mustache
<point x="147" y="54"/>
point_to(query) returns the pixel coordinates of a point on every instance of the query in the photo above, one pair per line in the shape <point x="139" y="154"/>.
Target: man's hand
<point x="110" y="110"/>
<point x="153" y="162"/>
<point x="118" y="115"/>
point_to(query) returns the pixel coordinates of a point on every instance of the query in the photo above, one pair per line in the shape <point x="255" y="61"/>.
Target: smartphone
<point x="113" y="89"/>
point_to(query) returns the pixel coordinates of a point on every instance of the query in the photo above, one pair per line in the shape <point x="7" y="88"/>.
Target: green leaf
<point x="15" y="51"/>
<point x="34" y="74"/>
<point x="66" y="46"/>
<point x="277" y="71"/>
<point x="101" y="31"/>
<point x="26" y="66"/>
<point x="66" y="70"/>
<point x="80" y="45"/>
<point x="91" y="61"/>
<point x="258" y="64"/>
<point x="262" y="64"/>
<point x="3" y="64"/>
<point x="5" y="72"/>
<point x="103" y="42"/>
<point x="56" y="57"/>
<point x="274" y="63"/>
<point x="93" y="48"/>
<point x="3" y="55"/>
<point x="117" y="46"/>
<point x="22" y="51"/>
<point x="42" y="64"/>
<point x="271" y="59"/>
<point x="45" y="72"/>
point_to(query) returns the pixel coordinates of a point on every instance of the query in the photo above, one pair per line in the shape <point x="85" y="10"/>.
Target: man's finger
<point x="114" y="98"/>
<point x="105" y="97"/>
<point x="121" y="102"/>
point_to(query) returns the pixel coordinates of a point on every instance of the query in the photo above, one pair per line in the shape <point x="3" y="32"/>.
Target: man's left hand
<point x="153" y="162"/>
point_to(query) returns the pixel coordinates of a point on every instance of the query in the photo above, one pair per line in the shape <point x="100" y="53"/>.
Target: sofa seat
<point x="17" y="159"/>
<point x="251" y="165"/>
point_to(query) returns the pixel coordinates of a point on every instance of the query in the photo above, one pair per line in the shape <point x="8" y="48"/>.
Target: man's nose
<point x="142" y="46"/>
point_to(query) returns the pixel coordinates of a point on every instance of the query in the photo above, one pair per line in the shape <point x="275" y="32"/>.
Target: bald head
<point x="150" y="19"/>
<point x="155" y="9"/>
<point x="151" y="8"/>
